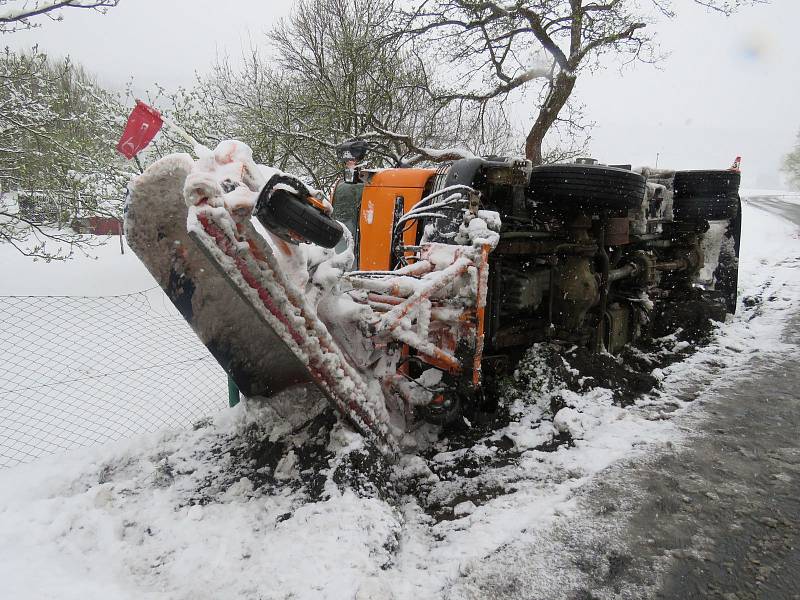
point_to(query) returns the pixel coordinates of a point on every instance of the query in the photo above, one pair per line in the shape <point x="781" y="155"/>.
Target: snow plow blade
<point x="238" y="301"/>
<point x="245" y="253"/>
<point x="155" y="226"/>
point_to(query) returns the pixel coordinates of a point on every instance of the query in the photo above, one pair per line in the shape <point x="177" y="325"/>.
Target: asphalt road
<point x="787" y="210"/>
<point x="737" y="492"/>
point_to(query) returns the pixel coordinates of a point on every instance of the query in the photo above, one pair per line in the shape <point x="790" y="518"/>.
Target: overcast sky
<point x="730" y="85"/>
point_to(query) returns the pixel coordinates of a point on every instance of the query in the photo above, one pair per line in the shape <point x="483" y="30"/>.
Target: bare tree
<point x="334" y="73"/>
<point x="18" y="14"/>
<point x="497" y="48"/>
<point x="345" y="77"/>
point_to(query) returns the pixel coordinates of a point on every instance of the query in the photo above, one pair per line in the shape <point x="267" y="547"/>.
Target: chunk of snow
<point x="287" y="466"/>
<point x="201" y="186"/>
<point x="463" y="509"/>
<point x="569" y="420"/>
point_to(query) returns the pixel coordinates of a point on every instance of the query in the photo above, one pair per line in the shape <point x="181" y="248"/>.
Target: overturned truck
<point x="433" y="281"/>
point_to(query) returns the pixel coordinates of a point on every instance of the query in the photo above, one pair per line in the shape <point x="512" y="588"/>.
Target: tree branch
<point x="41" y="8"/>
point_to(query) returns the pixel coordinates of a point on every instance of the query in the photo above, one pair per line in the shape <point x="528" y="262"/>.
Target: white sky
<point x="730" y="85"/>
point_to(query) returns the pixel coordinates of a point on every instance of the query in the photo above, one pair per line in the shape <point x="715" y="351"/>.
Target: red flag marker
<point x="143" y="125"/>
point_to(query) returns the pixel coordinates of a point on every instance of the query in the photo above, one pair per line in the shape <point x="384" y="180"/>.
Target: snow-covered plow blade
<point x="282" y="316"/>
<point x="155" y="226"/>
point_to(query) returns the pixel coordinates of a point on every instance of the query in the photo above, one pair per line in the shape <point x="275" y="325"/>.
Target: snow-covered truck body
<point x="443" y="276"/>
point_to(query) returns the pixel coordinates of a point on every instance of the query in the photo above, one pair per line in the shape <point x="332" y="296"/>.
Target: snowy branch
<point x="13" y="19"/>
<point x="57" y="134"/>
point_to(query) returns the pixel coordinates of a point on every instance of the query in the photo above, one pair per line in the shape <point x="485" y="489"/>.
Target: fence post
<point x="233" y="392"/>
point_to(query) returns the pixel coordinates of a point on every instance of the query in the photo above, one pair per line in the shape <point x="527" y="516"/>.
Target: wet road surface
<point x="728" y="508"/>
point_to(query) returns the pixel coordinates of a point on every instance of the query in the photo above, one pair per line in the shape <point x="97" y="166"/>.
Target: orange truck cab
<point x="377" y="205"/>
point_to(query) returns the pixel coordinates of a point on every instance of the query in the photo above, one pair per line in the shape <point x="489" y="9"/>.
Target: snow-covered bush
<point x="58" y="129"/>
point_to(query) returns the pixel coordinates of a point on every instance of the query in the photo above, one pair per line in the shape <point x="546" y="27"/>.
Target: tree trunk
<point x="557" y="97"/>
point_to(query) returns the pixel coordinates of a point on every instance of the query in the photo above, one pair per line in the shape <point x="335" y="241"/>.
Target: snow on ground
<point x="103" y="271"/>
<point x="228" y="510"/>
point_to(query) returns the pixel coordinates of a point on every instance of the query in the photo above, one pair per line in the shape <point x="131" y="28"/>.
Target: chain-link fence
<point x="77" y="371"/>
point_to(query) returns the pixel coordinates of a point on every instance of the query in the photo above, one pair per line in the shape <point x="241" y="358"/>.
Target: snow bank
<point x="149" y="519"/>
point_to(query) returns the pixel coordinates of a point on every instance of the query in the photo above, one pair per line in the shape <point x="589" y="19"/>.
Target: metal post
<point x="233" y="392"/>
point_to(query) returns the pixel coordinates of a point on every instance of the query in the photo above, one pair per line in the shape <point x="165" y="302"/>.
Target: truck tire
<point x="709" y="184"/>
<point x="709" y="195"/>
<point x="726" y="274"/>
<point x="710" y="208"/>
<point x="290" y="217"/>
<point x="587" y="187"/>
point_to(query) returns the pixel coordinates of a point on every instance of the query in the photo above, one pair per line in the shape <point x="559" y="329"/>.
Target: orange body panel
<point x="377" y="213"/>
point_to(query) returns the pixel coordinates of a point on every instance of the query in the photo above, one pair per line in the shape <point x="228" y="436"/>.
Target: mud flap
<point x="246" y="348"/>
